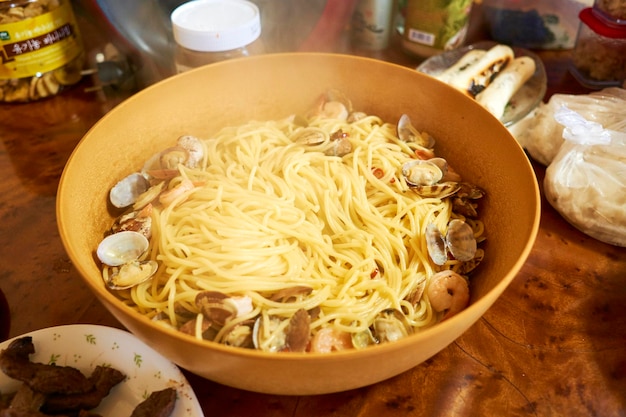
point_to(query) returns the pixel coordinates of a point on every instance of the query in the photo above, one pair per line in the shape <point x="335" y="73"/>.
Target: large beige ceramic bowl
<point x="201" y="101"/>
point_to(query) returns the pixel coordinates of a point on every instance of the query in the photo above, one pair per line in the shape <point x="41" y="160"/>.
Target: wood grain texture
<point x="554" y="344"/>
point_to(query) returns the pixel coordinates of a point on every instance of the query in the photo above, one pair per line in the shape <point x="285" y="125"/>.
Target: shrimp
<point x="329" y="340"/>
<point x="168" y="197"/>
<point x="448" y="292"/>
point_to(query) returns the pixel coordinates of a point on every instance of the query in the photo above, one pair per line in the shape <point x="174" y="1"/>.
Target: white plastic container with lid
<point x="208" y="31"/>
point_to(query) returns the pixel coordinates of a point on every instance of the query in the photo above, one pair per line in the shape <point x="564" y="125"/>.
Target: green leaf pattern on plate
<point x="86" y="347"/>
<point x="54" y="359"/>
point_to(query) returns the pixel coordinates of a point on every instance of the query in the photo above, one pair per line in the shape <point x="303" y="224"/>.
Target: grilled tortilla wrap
<point x="477" y="76"/>
<point x="460" y="66"/>
<point x="508" y="81"/>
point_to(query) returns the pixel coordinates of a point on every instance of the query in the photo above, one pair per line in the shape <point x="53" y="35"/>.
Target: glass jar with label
<point x="372" y="24"/>
<point x="599" y="57"/>
<point x="208" y="31"/>
<point x="42" y="50"/>
<point x="611" y="10"/>
<point x="434" y="26"/>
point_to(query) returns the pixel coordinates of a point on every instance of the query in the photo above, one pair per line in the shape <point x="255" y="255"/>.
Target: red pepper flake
<point x="424" y="153"/>
<point x="378" y="173"/>
<point x="340" y="134"/>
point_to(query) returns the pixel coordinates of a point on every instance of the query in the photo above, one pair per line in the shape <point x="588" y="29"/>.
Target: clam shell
<point x="441" y="190"/>
<point x="131" y="274"/>
<point x="127" y="190"/>
<point x="408" y="133"/>
<point x="339" y="147"/>
<point x="269" y="339"/>
<point x="460" y="240"/>
<point x="214" y="307"/>
<point x="194" y="148"/>
<point x="363" y="339"/>
<point x="436" y="244"/>
<point x="172" y="157"/>
<point x="310" y="136"/>
<point x="391" y="325"/>
<point x="121" y="248"/>
<point x="418" y="172"/>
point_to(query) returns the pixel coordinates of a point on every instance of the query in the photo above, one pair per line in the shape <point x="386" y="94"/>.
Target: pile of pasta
<point x="281" y="240"/>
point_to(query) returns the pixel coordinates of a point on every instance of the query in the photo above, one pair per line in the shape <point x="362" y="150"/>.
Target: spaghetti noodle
<point x="272" y="226"/>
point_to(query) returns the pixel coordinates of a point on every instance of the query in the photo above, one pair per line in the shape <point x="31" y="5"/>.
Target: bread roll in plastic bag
<point x="586" y="181"/>
<point x="542" y="136"/>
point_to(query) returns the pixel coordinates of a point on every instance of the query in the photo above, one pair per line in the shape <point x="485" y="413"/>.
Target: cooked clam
<point x="196" y="325"/>
<point x="340" y="144"/>
<point x="460" y="240"/>
<point x="468" y="266"/>
<point x="276" y="334"/>
<point x="123" y="247"/>
<point x="436" y="244"/>
<point x="419" y="172"/>
<point x="291" y="294"/>
<point x="239" y="336"/>
<point x="151" y="194"/>
<point x="391" y="325"/>
<point x="298" y="333"/>
<point x="336" y="110"/>
<point x="440" y="190"/>
<point x="128" y="189"/>
<point x="464" y="201"/>
<point x="268" y="333"/>
<point x="130" y="274"/>
<point x="213" y="306"/>
<point x="338" y="96"/>
<point x="310" y="136"/>
<point x="408" y="133"/>
<point x="333" y="104"/>
<point x="363" y="339"/>
<point x="339" y="147"/>
<point x="135" y="221"/>
<point x="219" y="308"/>
<point x="164" y="164"/>
<point x="172" y="157"/>
<point x="355" y="116"/>
<point x="441" y="163"/>
<point x="194" y="148"/>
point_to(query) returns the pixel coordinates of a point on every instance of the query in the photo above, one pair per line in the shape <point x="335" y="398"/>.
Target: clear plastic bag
<point x="586" y="180"/>
<point x="542" y="135"/>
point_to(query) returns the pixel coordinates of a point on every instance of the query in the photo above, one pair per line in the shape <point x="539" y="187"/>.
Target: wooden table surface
<point x="554" y="344"/>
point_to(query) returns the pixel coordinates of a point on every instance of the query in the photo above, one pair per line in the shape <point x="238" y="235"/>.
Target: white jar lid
<point x="216" y="25"/>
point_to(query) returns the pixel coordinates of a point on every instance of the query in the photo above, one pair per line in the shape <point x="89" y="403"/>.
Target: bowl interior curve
<point x="201" y="101"/>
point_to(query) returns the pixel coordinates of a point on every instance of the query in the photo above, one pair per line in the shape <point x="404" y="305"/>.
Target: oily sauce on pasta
<point x="303" y="234"/>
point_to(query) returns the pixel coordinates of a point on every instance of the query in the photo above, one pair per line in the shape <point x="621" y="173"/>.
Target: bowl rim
<point x="379" y="349"/>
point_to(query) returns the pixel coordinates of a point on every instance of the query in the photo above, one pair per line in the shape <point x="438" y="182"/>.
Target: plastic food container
<point x="435" y="26"/>
<point x="599" y="58"/>
<point x="42" y="50"/>
<point x="534" y="24"/>
<point x="208" y="31"/>
<point x="613" y="10"/>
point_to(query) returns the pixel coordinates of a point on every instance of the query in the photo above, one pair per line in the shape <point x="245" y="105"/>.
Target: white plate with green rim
<point x="86" y="346"/>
